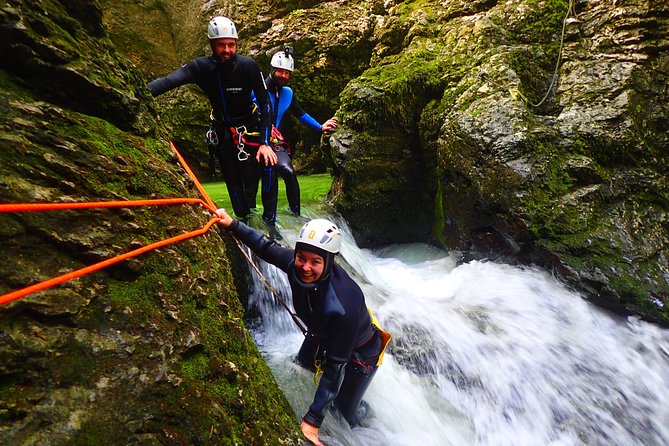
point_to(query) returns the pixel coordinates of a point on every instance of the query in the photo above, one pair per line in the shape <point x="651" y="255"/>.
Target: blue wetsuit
<point x="286" y="101"/>
<point x="281" y="100"/>
<point x="229" y="86"/>
<point x="340" y="329"/>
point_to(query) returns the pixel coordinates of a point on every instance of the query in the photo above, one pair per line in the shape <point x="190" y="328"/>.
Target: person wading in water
<point x="344" y="341"/>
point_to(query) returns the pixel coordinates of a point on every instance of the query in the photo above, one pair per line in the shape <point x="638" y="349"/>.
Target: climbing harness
<point x="357" y="359"/>
<point x="278" y="142"/>
<point x="238" y="133"/>
<point x="515" y="92"/>
<point x="239" y="137"/>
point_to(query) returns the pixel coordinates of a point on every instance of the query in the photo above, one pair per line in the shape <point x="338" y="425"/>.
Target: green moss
<point x="195" y="367"/>
<point x="75" y="365"/>
<point x="541" y="21"/>
<point x="631" y="290"/>
<point x="134" y="294"/>
<point x="10" y="393"/>
<point x="100" y="432"/>
<point x="394" y="95"/>
<point x="549" y="214"/>
<point x="535" y="70"/>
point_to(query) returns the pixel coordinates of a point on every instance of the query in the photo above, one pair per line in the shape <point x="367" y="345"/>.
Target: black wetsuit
<point x="340" y="330"/>
<point x="281" y="100"/>
<point x="229" y="85"/>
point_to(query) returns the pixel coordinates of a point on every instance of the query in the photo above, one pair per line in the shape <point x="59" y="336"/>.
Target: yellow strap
<point x="319" y="371"/>
<point x="385" y="336"/>
<point x="385" y="340"/>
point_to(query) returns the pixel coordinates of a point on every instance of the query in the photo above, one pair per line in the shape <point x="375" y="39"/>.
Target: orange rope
<point x="26" y="207"/>
<point x="239" y="244"/>
<point x="241" y="248"/>
<point x="207" y="203"/>
<point x="205" y="195"/>
<point x="18" y="294"/>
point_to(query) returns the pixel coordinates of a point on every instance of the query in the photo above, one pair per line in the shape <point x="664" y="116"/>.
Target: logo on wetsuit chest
<point x="234" y="90"/>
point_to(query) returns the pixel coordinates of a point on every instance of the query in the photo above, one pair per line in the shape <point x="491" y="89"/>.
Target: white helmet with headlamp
<point x="221" y="27"/>
<point x="320" y="234"/>
<point x="283" y="60"/>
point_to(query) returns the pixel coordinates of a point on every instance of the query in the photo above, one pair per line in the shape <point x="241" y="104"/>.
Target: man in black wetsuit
<point x="282" y="99"/>
<point x="241" y="139"/>
<point x="343" y="340"/>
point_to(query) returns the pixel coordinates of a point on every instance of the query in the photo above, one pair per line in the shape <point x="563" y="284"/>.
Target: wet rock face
<point x="152" y="350"/>
<point x="576" y="183"/>
<point x="48" y="48"/>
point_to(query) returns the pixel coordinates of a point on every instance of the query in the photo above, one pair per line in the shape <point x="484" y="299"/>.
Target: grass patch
<point x="312" y="191"/>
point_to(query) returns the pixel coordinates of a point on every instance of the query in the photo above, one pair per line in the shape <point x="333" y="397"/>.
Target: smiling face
<point x="309" y="266"/>
<point x="282" y="76"/>
<point x="224" y="48"/>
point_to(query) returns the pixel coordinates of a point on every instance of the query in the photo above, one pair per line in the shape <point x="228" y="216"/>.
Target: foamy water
<point x="483" y="354"/>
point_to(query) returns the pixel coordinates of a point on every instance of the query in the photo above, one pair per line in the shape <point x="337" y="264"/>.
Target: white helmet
<point x="321" y="234"/>
<point x="221" y="27"/>
<point x="283" y="61"/>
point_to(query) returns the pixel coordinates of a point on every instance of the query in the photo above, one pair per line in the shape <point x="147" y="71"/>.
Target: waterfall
<point x="482" y="354"/>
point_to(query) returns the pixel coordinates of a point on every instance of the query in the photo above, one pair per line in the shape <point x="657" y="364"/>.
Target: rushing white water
<point x="483" y="354"/>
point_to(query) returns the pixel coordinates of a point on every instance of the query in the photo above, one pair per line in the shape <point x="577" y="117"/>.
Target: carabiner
<point x="212" y="137"/>
<point x="242" y="155"/>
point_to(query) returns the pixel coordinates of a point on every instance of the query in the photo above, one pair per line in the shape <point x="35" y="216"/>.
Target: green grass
<point x="312" y="190"/>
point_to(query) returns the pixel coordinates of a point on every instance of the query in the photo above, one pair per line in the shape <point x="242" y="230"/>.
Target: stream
<point x="482" y="354"/>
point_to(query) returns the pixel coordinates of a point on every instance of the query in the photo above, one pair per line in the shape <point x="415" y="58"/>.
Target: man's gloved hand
<point x="311" y="433"/>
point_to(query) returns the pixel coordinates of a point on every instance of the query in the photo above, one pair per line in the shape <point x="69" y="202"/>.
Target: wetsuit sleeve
<point x="262" y="99"/>
<point x="177" y="78"/>
<point x="304" y="117"/>
<point x="262" y="246"/>
<point x="328" y="388"/>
